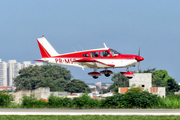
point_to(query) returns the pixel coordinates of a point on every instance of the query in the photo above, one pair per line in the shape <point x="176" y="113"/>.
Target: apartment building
<point x="10" y="70"/>
<point x="3" y="73"/>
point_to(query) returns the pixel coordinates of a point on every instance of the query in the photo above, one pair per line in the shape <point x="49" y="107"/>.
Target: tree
<point x="172" y="86"/>
<point x="53" y="76"/>
<point x="119" y="81"/>
<point x="162" y="79"/>
<point x="77" y="86"/>
<point x="146" y="71"/>
<point x="159" y="78"/>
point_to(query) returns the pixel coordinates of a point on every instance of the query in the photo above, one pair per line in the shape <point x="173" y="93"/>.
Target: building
<point x="39" y="93"/>
<point x="144" y="81"/>
<point x="98" y="84"/>
<point x="10" y="70"/>
<point x="3" y="73"/>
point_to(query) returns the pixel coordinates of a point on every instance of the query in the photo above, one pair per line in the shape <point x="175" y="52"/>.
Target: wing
<point x="91" y="63"/>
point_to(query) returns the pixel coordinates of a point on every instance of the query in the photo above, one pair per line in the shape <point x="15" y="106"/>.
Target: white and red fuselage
<point x="97" y="58"/>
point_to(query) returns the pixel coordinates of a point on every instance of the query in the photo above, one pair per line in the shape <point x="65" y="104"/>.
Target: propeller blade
<point x="139" y="52"/>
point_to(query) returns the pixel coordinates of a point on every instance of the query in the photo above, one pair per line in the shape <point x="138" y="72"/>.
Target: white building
<point x="26" y="64"/>
<point x="3" y="73"/>
<point x="144" y="81"/>
<point x="13" y="69"/>
<point x="10" y="70"/>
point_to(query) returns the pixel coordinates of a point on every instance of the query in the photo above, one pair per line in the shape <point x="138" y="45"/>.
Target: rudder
<point x="45" y="48"/>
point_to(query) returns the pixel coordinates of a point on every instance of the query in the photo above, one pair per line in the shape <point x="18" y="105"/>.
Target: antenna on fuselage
<point x="105" y="45"/>
<point x="80" y="47"/>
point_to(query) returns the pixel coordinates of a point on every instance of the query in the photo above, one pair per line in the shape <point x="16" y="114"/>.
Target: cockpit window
<point x="105" y="54"/>
<point x="114" y="53"/>
<point x="85" y="55"/>
<point x="95" y="54"/>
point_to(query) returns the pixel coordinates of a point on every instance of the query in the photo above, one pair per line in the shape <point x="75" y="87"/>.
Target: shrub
<point x="5" y="98"/>
<point x="32" y="102"/>
<point x="134" y="98"/>
<point x="59" y="102"/>
<point x="85" y="101"/>
<point x="171" y="101"/>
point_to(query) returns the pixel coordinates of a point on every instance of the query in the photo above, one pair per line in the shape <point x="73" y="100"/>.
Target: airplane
<point x="102" y="58"/>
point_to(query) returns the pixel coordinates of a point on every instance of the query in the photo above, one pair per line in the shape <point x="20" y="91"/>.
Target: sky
<point x="69" y="25"/>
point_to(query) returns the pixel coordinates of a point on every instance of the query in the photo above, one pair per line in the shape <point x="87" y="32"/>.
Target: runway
<point x="89" y="111"/>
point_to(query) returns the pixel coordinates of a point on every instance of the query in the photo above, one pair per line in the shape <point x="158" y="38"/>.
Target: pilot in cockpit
<point x="106" y="54"/>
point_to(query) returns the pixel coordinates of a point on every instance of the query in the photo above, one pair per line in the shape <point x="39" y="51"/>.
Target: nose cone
<point x="139" y="58"/>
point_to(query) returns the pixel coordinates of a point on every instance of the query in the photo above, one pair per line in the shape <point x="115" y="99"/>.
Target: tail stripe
<point x="43" y="51"/>
<point x="45" y="48"/>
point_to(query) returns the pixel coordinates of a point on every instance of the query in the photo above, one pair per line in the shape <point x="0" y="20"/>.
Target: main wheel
<point x="95" y="77"/>
<point x="129" y="77"/>
<point x="107" y="75"/>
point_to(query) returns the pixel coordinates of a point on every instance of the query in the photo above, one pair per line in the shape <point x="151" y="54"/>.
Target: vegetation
<point x="56" y="77"/>
<point x="5" y="99"/>
<point x="119" y="81"/>
<point x="134" y="98"/>
<point x="32" y="102"/>
<point x="77" y="86"/>
<point x="33" y="77"/>
<point x="160" y="78"/>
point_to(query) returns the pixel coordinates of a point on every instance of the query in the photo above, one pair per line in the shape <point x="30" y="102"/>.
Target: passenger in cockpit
<point x="94" y="54"/>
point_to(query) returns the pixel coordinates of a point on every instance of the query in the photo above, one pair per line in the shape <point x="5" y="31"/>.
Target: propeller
<point x="138" y="62"/>
<point x="139" y="58"/>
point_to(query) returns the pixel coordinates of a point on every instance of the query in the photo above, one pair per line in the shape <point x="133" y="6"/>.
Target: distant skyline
<point x="75" y="25"/>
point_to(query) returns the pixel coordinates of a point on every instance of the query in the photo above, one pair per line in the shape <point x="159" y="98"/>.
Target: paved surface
<point x="89" y="111"/>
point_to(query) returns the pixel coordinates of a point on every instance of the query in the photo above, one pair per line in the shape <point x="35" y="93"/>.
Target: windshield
<point x="114" y="53"/>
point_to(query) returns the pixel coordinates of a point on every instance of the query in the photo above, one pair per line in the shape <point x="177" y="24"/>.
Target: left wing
<point x="91" y="63"/>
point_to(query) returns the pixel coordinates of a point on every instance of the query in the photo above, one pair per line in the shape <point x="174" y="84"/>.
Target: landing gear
<point x="94" y="74"/>
<point x="107" y="73"/>
<point x="129" y="77"/>
<point x="128" y="74"/>
<point x="95" y="77"/>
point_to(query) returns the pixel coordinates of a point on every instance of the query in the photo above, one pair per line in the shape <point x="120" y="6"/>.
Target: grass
<point x="86" y="117"/>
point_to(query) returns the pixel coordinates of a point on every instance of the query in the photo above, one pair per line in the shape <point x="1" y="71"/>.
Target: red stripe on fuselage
<point x="80" y="55"/>
<point x="92" y="60"/>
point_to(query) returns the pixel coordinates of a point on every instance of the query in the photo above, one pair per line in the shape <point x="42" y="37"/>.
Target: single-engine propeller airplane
<point x="103" y="58"/>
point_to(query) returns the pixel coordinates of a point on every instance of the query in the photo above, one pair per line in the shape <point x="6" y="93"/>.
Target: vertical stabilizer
<point x="45" y="48"/>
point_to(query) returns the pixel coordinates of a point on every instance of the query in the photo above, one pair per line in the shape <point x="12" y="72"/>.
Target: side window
<point x="105" y="54"/>
<point x="95" y="54"/>
<point x="85" y="55"/>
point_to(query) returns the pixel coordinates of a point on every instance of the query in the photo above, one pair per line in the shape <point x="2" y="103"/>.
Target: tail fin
<point x="45" y="48"/>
